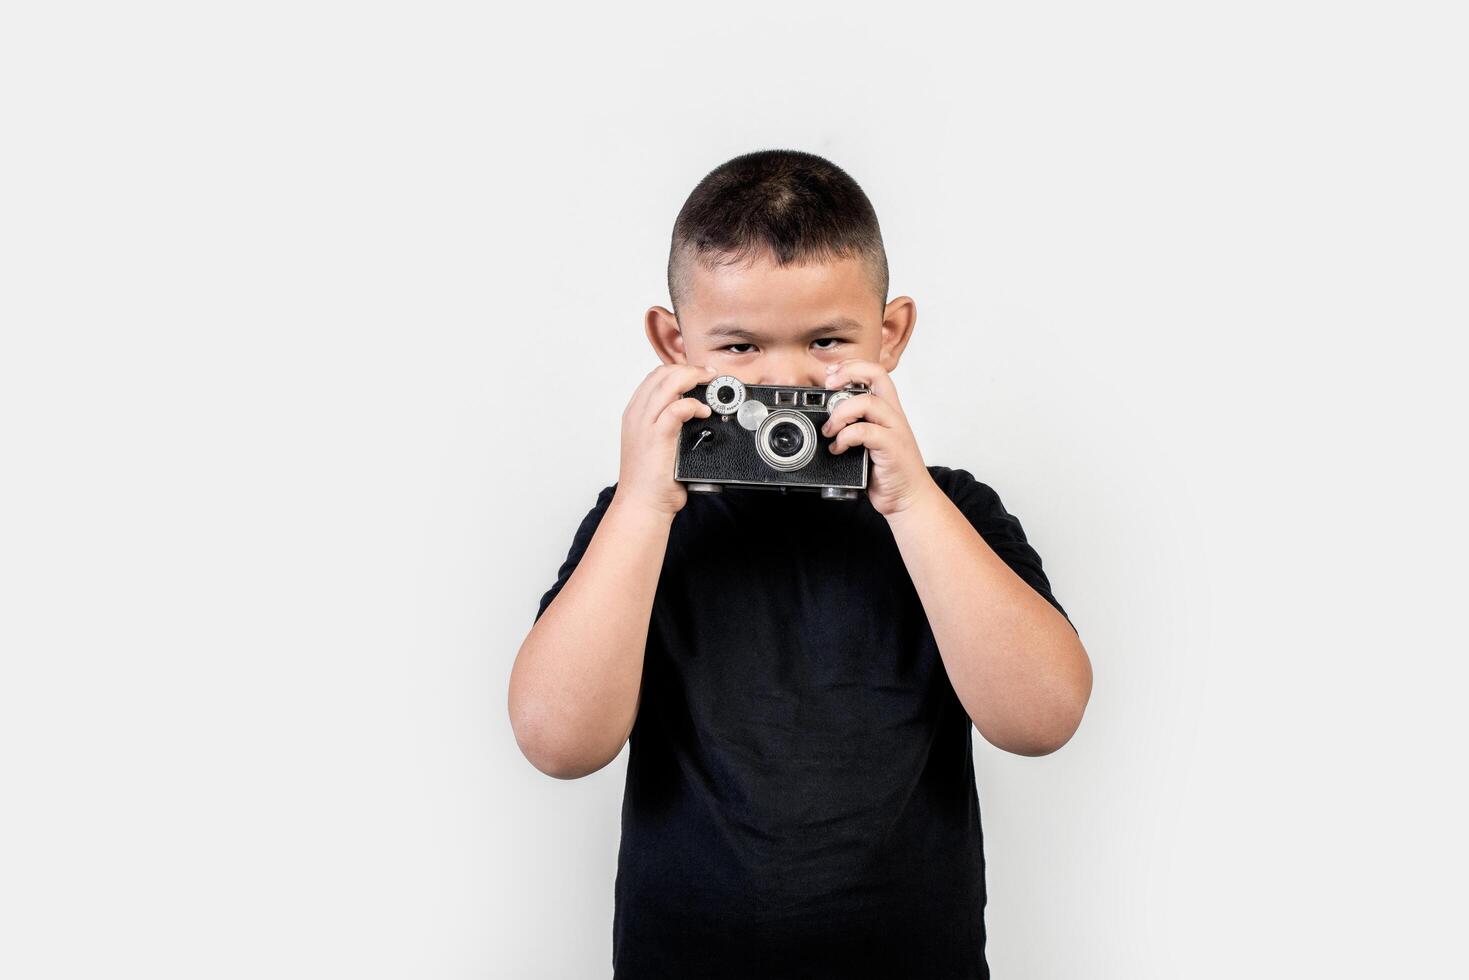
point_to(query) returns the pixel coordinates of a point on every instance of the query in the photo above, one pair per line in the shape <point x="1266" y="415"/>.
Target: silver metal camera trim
<point x="786" y="464"/>
<point x="841" y="395"/>
<point x="751" y="413"/>
<point x="711" y="394"/>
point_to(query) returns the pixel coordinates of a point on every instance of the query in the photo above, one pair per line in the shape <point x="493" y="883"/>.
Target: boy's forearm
<point x="575" y="685"/>
<point x="1018" y="667"/>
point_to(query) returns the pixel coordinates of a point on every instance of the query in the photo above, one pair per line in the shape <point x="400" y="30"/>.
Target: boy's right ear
<point x="665" y="336"/>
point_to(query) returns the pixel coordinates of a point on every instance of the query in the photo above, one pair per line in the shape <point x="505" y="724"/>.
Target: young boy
<point x="798" y="676"/>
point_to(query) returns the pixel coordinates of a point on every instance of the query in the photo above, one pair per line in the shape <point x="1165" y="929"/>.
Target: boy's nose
<point x="793" y="378"/>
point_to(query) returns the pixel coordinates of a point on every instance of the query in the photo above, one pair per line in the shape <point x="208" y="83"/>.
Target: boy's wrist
<point x="633" y="513"/>
<point x="925" y="502"/>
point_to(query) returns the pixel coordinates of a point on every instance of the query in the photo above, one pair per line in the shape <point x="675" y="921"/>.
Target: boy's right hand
<point x="650" y="428"/>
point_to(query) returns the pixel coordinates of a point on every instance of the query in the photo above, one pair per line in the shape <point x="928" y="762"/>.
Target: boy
<point x="797" y="676"/>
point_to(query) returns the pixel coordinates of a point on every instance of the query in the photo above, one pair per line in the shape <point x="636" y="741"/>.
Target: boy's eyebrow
<point x="733" y="330"/>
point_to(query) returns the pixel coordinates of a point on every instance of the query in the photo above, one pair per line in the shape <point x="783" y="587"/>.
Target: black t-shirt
<point x="800" y="797"/>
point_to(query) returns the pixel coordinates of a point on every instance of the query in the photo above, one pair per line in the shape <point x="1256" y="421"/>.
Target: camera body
<point x="768" y="436"/>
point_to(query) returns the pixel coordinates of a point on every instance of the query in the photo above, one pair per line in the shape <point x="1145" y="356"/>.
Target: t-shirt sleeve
<point x="1000" y="529"/>
<point x="579" y="543"/>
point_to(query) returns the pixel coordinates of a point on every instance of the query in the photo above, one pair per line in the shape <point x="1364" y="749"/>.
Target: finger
<point x="861" y="434"/>
<point x="661" y="385"/>
<point x="858" y="407"/>
<point x="640" y="393"/>
<point x="673" y="384"/>
<point x="676" y="414"/>
<point x="869" y="373"/>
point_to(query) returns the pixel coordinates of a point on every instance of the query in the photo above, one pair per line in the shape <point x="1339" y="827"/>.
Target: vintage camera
<point x="768" y="436"/>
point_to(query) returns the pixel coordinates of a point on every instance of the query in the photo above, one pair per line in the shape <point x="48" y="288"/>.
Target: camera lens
<point x="786" y="439"/>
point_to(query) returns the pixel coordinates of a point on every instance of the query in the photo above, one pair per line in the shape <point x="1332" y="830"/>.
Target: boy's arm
<point x="576" y="684"/>
<point x="1016" y="663"/>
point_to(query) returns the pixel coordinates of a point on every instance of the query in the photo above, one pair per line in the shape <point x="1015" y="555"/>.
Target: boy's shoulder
<point x="946" y="476"/>
<point x="962" y="487"/>
<point x="981" y="504"/>
<point x="1000" y="529"/>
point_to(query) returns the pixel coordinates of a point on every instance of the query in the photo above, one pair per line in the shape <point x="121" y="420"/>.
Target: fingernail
<point x="830" y="368"/>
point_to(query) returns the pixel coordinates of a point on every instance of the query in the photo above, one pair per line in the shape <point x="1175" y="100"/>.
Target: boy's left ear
<point x="661" y="325"/>
<point x="898" y="317"/>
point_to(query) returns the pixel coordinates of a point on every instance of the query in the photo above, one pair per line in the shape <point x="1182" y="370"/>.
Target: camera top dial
<point x="724" y="394"/>
<point x="848" y="390"/>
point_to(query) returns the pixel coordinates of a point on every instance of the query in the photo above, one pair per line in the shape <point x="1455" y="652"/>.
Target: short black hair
<point x="795" y="206"/>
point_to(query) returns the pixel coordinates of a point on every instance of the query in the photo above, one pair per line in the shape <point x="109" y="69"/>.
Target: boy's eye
<point x="832" y="341"/>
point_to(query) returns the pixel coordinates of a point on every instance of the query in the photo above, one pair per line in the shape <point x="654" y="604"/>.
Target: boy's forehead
<point x="759" y="294"/>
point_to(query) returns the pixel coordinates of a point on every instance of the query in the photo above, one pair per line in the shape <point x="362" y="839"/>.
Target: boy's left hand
<point x="875" y="419"/>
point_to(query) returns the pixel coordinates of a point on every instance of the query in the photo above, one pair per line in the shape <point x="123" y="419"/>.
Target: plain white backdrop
<point x="318" y="320"/>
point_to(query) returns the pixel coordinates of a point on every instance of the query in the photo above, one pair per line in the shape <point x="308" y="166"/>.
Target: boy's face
<point x="768" y="325"/>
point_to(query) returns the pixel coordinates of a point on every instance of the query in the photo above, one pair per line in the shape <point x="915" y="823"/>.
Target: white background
<point x="318" y="323"/>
